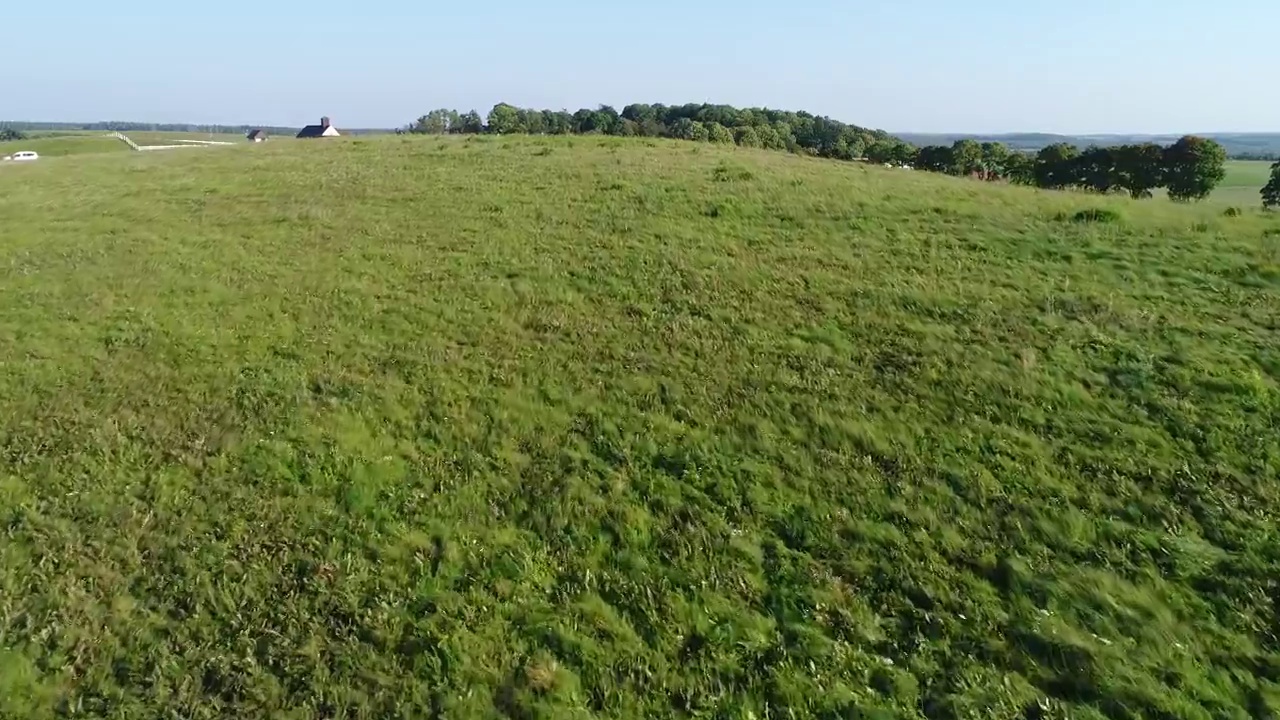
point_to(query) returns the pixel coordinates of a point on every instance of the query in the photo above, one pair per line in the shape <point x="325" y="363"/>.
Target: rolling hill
<point x="597" y="427"/>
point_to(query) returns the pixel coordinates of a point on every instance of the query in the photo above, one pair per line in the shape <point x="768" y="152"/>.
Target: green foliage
<point x="718" y="133"/>
<point x="746" y="137"/>
<point x="994" y="157"/>
<point x="1096" y="169"/>
<point x="792" y="439"/>
<point x="935" y="158"/>
<point x="1193" y="167"/>
<point x="1056" y="166"/>
<point x="505" y="119"/>
<point x="966" y="157"/>
<point x="437" y="122"/>
<point x="1097" y="215"/>
<point x="470" y="123"/>
<point x="882" y="151"/>
<point x="1271" y="192"/>
<point x="1139" y="168"/>
<point x="8" y="134"/>
<point x="1020" y="168"/>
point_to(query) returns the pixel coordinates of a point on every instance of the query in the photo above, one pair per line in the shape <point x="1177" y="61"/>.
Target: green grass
<point x="60" y="145"/>
<point x="169" y="138"/>
<point x="589" y="427"/>
<point x="1243" y="183"/>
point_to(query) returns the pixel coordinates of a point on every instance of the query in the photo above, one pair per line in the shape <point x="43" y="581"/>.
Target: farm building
<point x="324" y="129"/>
<point x="257" y="136"/>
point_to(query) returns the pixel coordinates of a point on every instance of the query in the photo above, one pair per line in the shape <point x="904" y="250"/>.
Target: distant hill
<point x="1238" y="145"/>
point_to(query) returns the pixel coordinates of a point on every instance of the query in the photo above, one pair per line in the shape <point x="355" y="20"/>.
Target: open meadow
<point x="1243" y="185"/>
<point x="413" y="427"/>
<point x="59" y="145"/>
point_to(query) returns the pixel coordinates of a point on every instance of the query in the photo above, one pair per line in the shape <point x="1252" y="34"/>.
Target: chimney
<point x="324" y="123"/>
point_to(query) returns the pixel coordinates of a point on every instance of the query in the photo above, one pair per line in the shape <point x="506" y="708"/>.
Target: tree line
<point x="798" y="132"/>
<point x="1189" y="169"/>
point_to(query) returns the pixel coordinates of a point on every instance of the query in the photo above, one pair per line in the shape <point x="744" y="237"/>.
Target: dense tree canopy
<point x="1056" y="165"/>
<point x="1193" y="166"/>
<point x="1139" y="168"/>
<point x="11" y="134"/>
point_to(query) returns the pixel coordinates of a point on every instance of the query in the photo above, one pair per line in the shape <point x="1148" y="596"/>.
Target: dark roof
<point x="256" y="133"/>
<point x="311" y="131"/>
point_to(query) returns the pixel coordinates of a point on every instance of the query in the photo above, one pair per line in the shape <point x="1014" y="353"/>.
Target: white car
<point x="25" y="156"/>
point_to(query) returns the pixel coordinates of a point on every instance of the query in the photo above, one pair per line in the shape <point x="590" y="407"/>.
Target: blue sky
<point x="1084" y="66"/>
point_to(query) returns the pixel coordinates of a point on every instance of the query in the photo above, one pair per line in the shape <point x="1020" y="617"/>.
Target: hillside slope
<point x="591" y="427"/>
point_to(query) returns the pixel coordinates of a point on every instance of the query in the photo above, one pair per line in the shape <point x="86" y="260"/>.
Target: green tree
<point x="639" y="113"/>
<point x="1096" y="169"/>
<point x="470" y="124"/>
<point x="718" y="133"/>
<point x="769" y="138"/>
<point x="1139" y="168"/>
<point x="1055" y="166"/>
<point x="881" y="151"/>
<point x="584" y="121"/>
<point x="994" y="157"/>
<point x="608" y="121"/>
<point x="746" y="136"/>
<point x="905" y="154"/>
<point x="10" y="134"/>
<point x="966" y="157"/>
<point x="935" y="158"/>
<point x="1020" y="168"/>
<point x="1271" y="193"/>
<point x="851" y="145"/>
<point x="532" y="122"/>
<point x="436" y="122"/>
<point x="504" y="119"/>
<point x="1193" y="167"/>
<point x="785" y="135"/>
<point x="699" y="132"/>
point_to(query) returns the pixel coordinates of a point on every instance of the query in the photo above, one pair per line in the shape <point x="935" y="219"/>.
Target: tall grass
<point x="409" y="427"/>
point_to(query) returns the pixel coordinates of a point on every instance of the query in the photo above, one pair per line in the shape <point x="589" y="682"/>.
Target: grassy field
<point x="60" y="145"/>
<point x="591" y="427"/>
<point x="1243" y="184"/>
<point x="169" y="138"/>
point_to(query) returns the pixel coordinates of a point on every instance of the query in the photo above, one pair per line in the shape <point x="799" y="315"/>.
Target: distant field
<point x="59" y="145"/>
<point x="507" y="427"/>
<point x="1243" y="183"/>
<point x="55" y="144"/>
<point x="168" y="138"/>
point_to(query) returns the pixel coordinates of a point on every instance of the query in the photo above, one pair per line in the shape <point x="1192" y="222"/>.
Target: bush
<point x="1232" y="212"/>
<point x="1097" y="215"/>
<point x="718" y="133"/>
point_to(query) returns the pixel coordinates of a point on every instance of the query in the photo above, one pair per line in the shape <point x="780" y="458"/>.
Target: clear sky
<point x="1075" y="66"/>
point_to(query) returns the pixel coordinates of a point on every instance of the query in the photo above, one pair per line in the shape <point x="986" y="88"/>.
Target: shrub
<point x="1097" y="215"/>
